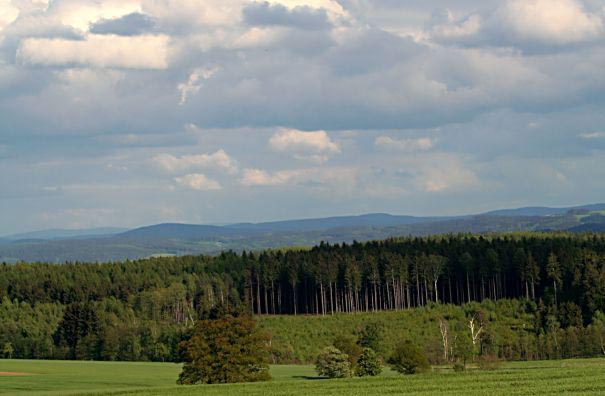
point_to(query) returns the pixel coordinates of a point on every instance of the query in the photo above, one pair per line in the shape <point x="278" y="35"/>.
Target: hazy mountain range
<point x="105" y="244"/>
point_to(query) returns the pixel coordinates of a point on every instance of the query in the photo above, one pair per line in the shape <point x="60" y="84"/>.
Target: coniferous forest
<point x="141" y="310"/>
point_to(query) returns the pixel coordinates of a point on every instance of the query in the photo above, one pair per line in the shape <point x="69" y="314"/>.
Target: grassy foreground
<point x="577" y="377"/>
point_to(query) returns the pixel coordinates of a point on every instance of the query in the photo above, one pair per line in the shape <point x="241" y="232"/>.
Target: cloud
<point x="302" y="17"/>
<point x="419" y="144"/>
<point x="443" y="172"/>
<point x="452" y="29"/>
<point x="315" y="146"/>
<point x="8" y="14"/>
<point x="336" y="12"/>
<point x="531" y="25"/>
<point x="80" y="14"/>
<point x="549" y="21"/>
<point x="79" y="217"/>
<point x="593" y="135"/>
<point x="259" y="177"/>
<point x="129" y="25"/>
<point x="198" y="181"/>
<point x="183" y="16"/>
<point x="217" y="160"/>
<point x="193" y="84"/>
<point x="340" y="77"/>
<point x="330" y="180"/>
<point x="104" y="51"/>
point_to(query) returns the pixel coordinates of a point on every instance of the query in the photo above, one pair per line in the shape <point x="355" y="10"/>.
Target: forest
<point x="141" y="310"/>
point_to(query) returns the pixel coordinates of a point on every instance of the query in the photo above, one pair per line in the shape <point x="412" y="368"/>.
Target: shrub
<point x="459" y="367"/>
<point x="407" y="358"/>
<point x="333" y="363"/>
<point x="348" y="345"/>
<point x="463" y="350"/>
<point x="368" y="364"/>
<point x="223" y="351"/>
<point x="371" y="336"/>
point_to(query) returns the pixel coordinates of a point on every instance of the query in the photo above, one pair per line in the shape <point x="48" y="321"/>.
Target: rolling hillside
<point x="181" y="239"/>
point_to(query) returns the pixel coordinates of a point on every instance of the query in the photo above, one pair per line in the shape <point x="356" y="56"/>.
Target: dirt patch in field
<point x="13" y="374"/>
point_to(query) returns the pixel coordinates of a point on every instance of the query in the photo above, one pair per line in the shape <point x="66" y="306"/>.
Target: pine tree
<point x="553" y="271"/>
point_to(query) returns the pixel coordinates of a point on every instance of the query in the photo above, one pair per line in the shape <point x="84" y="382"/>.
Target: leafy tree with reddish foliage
<point x="225" y="350"/>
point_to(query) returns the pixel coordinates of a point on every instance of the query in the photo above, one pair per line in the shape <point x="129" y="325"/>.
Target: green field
<point x="577" y="377"/>
<point x="297" y="339"/>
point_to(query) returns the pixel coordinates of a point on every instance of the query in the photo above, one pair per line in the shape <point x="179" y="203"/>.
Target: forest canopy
<point x="142" y="309"/>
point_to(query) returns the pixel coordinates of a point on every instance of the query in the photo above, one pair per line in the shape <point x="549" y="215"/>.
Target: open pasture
<point x="38" y="378"/>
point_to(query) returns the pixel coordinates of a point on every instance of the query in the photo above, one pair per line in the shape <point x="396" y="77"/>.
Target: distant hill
<point x="196" y="232"/>
<point x="64" y="234"/>
<point x="367" y="220"/>
<point x="543" y="211"/>
<point x="182" y="239"/>
<point x="589" y="227"/>
<point x="181" y="231"/>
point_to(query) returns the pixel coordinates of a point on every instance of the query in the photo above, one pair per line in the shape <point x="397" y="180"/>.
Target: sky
<point x="132" y="112"/>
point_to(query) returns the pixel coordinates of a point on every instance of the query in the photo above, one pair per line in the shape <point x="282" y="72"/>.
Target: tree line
<point x="140" y="309"/>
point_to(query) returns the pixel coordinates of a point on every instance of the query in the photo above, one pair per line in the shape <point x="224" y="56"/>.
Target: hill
<point x="182" y="231"/>
<point x="183" y="239"/>
<point x="64" y="234"/>
<point x="545" y="211"/>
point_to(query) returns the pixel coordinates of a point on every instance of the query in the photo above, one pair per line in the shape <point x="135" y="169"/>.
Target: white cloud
<point x="8" y="14"/>
<point x="185" y="14"/>
<point x="80" y="14"/>
<point x="445" y="173"/>
<point x="193" y="84"/>
<point x="333" y="180"/>
<point x="593" y="135"/>
<point x="436" y="172"/>
<point x="333" y="7"/>
<point x="198" y="181"/>
<point x="419" y="144"/>
<point x="135" y="52"/>
<point x="259" y="177"/>
<point x="217" y="160"/>
<point x="454" y="29"/>
<point x="527" y="24"/>
<point x="254" y="37"/>
<point x="315" y="146"/>
<point x="561" y="21"/>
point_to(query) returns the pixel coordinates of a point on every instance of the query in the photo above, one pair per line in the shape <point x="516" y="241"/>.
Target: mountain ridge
<point x="63" y="233"/>
<point x="183" y="239"/>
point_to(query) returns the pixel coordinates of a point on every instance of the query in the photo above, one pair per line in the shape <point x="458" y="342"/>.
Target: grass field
<point x="576" y="377"/>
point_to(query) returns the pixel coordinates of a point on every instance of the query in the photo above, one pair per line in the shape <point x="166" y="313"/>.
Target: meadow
<point x="569" y="377"/>
<point x="298" y="339"/>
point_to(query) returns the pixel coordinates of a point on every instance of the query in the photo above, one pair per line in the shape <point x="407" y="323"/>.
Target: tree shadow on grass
<point x="308" y="377"/>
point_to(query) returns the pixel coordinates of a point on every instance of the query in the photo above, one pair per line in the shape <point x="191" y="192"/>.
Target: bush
<point x="459" y="367"/>
<point x="407" y="358"/>
<point x="368" y="364"/>
<point x="333" y="363"/>
<point x="348" y="345"/>
<point x="371" y="336"/>
<point x="223" y="351"/>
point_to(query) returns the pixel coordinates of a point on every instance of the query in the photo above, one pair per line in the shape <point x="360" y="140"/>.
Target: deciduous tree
<point x="225" y="350"/>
